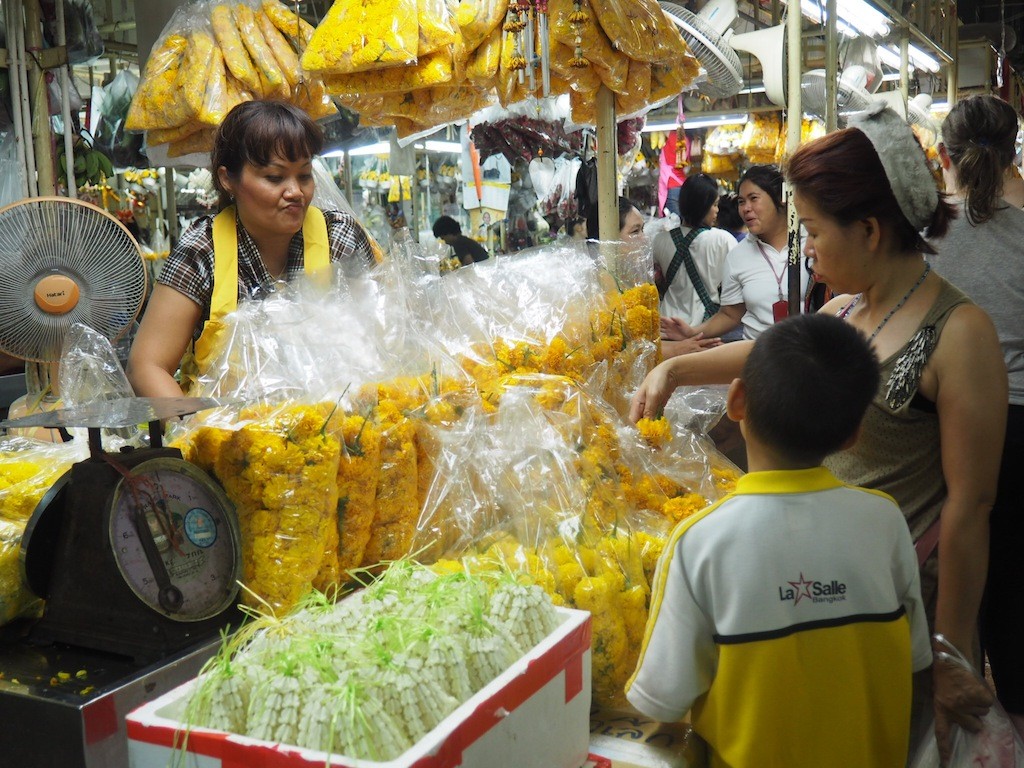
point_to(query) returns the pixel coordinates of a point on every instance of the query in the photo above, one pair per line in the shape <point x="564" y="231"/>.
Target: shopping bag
<point x="996" y="745"/>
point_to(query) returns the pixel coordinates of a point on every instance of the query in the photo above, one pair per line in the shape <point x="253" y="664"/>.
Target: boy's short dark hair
<point x="809" y="380"/>
<point x="446" y="225"/>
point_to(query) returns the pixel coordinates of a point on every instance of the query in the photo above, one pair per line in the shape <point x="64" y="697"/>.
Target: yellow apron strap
<point x="225" y="264"/>
<point x="316" y="259"/>
<point x="316" y="248"/>
<point x="225" y="286"/>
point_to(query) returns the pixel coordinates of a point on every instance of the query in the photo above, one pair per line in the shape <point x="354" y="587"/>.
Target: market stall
<point x="420" y="461"/>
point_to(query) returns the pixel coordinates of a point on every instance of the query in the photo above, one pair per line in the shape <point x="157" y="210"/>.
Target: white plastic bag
<point x="12" y="175"/>
<point x="996" y="745"/>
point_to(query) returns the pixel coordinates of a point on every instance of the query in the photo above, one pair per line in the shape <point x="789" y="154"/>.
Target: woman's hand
<point x="696" y="343"/>
<point x="674" y="329"/>
<point x="961" y="699"/>
<point x="657" y="387"/>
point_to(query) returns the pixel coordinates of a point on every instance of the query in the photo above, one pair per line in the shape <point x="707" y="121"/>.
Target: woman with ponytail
<point x="983" y="255"/>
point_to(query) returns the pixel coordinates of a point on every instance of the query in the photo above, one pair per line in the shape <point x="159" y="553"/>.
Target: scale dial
<point x="175" y="539"/>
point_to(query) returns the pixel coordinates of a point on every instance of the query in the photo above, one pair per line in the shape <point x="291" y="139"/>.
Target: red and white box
<point x="536" y="714"/>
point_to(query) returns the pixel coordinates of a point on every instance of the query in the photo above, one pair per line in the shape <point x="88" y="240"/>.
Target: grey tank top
<point x="898" y="450"/>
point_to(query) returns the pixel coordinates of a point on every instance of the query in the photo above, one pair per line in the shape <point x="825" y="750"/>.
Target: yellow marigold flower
<point x="398" y="506"/>
<point x="657" y="433"/>
<point x="156" y="103"/>
<point x="724" y="479"/>
<point x="683" y="506"/>
<point x="433" y="69"/>
<point x="358" y="35"/>
<point x="281" y="473"/>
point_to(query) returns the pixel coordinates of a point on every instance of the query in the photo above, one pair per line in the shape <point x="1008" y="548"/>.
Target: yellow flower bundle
<point x="360" y="35"/>
<point x="281" y="473"/>
<point x="157" y="102"/>
<point x="397" y="507"/>
<point x="358" y="471"/>
<point x="24" y="480"/>
<point x="15" y="598"/>
<point x="208" y="64"/>
<point x="607" y="574"/>
<point x="478" y="19"/>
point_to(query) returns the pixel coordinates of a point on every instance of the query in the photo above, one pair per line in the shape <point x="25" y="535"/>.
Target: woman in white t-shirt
<point x="692" y="290"/>
<point x="755" y="277"/>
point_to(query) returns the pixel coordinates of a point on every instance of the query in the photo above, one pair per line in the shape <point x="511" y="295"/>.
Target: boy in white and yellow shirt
<point x="787" y="617"/>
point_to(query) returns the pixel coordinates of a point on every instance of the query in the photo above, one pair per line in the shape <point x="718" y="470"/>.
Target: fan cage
<point x="720" y="62"/>
<point x="60" y="236"/>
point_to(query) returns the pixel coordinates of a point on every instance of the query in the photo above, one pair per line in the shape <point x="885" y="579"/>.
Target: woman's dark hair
<point x="592" y="226"/>
<point x="768" y="178"/>
<point x="729" y="217"/>
<point x="255" y="132"/>
<point x="980" y="134"/>
<point x="696" y="197"/>
<point x="809" y="364"/>
<point x="841" y="172"/>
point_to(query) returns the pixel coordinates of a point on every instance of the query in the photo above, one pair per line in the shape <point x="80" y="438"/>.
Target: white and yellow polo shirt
<point x="788" y="616"/>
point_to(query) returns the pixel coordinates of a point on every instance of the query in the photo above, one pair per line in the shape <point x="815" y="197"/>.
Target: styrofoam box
<point x="536" y="714"/>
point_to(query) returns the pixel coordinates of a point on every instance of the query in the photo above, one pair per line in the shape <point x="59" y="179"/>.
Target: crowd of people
<point x="903" y="384"/>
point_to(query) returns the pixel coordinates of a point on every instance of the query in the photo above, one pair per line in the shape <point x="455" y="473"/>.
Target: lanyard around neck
<point x="771" y="265"/>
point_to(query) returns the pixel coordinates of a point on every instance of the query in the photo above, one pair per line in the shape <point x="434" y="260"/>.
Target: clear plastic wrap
<point x="482" y="67"/>
<point x="211" y="57"/>
<point x="611" y="65"/>
<point x="273" y="83"/>
<point x="28" y="469"/>
<point x="467" y="417"/>
<point x="558" y="487"/>
<point x="437" y="27"/>
<point x="293" y="26"/>
<point x="478" y="19"/>
<point x="639" y="94"/>
<point x="433" y="69"/>
<point x="157" y="102"/>
<point x="639" y="29"/>
<point x="364" y="35"/>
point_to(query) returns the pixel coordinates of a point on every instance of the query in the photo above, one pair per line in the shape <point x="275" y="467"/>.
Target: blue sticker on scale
<point x="200" y="528"/>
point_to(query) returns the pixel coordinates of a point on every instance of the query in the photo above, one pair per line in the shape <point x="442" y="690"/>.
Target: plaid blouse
<point x="189" y="268"/>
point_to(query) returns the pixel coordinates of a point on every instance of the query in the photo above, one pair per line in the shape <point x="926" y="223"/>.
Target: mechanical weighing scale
<point x="137" y="555"/>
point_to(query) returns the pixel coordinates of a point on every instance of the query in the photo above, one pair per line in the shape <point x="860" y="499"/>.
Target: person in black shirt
<point x="466" y="249"/>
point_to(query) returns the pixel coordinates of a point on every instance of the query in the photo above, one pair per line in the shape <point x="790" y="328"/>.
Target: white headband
<point x="903" y="160"/>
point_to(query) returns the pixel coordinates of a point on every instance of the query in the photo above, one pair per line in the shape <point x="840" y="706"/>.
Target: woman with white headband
<point x="932" y="437"/>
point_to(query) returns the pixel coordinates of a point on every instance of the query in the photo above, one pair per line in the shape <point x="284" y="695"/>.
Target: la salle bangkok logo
<point x="816" y="591"/>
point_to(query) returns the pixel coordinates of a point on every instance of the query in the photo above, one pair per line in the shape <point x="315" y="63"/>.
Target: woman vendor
<point x="266" y="231"/>
<point x="933" y="435"/>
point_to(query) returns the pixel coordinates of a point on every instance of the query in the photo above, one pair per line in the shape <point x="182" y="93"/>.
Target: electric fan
<point x="710" y="38"/>
<point x="916" y="111"/>
<point x="65" y="262"/>
<point x="850" y="96"/>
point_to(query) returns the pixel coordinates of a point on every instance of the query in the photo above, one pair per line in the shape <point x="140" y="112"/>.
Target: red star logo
<point x="802" y="587"/>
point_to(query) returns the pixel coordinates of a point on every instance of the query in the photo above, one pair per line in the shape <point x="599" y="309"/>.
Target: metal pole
<point x="347" y="159"/>
<point x="15" y="63"/>
<point x="171" y="209"/>
<point x="65" y="104"/>
<point x="831" y="67"/>
<point x="794" y="122"/>
<point x="952" y="70"/>
<point x="607" y="181"/>
<point x="905" y="68"/>
<point x="40" y="102"/>
<point x="26" y="109"/>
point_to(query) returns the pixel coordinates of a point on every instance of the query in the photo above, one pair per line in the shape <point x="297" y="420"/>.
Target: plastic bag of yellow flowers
<point x="557" y="488"/>
<point x="28" y="469"/>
